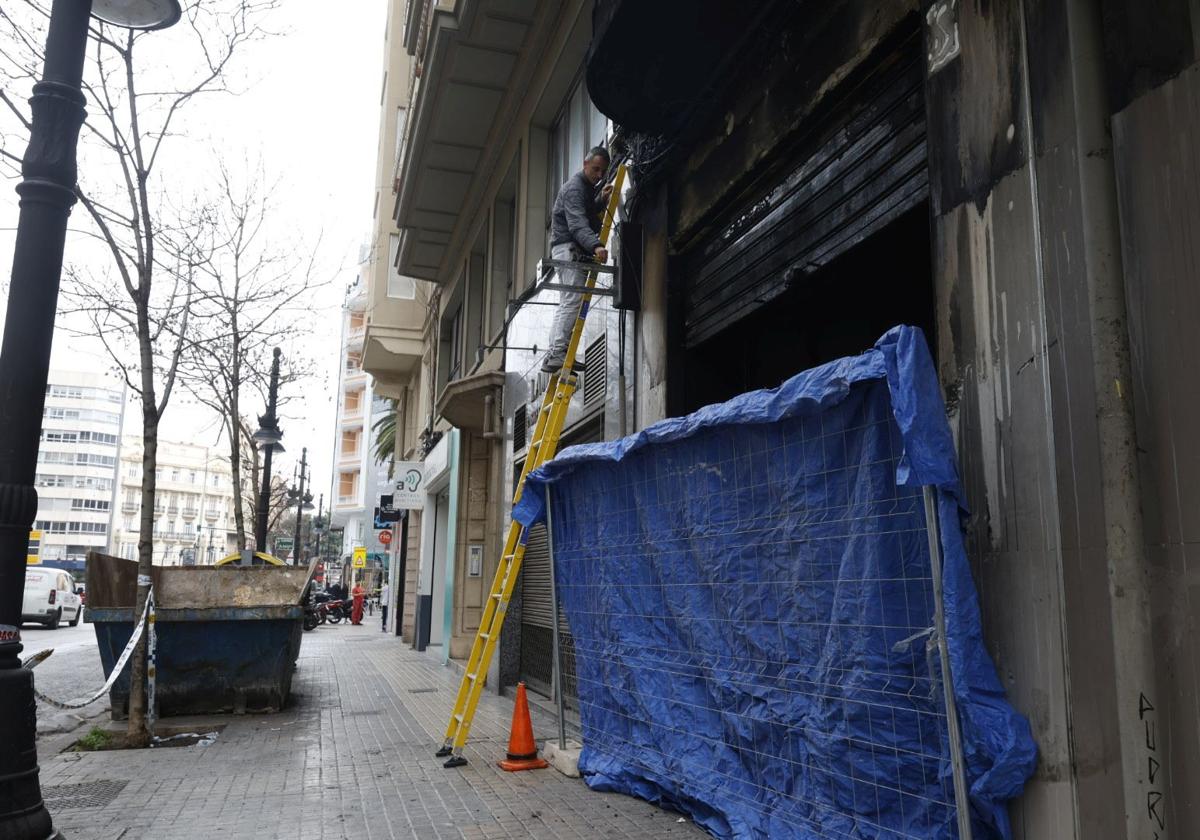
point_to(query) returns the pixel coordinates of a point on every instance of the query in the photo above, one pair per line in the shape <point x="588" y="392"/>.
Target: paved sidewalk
<point x="352" y="758"/>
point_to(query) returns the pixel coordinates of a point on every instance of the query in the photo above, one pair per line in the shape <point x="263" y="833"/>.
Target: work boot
<point x="555" y="365"/>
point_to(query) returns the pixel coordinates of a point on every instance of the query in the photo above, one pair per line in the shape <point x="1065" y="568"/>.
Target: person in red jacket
<point x="356" y="612"/>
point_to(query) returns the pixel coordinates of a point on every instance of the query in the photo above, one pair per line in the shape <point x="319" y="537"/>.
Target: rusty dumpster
<point x="227" y="637"/>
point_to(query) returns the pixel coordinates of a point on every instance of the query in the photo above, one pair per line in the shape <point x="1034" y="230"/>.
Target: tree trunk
<point x="235" y="468"/>
<point x="137" y="732"/>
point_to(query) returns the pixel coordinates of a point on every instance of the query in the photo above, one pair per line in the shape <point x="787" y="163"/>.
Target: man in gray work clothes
<point x="574" y="229"/>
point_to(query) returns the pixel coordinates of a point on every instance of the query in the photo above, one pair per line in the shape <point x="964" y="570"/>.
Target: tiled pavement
<point x="351" y="758"/>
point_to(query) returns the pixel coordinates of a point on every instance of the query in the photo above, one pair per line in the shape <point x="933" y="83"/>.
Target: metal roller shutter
<point x="862" y="166"/>
<point x="537" y="638"/>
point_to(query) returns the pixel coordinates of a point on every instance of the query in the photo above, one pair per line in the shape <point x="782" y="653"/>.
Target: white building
<point x="193" y="513"/>
<point x="77" y="465"/>
<point x="356" y="475"/>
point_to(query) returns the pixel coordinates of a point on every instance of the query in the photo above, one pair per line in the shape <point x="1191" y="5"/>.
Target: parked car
<point x="50" y="597"/>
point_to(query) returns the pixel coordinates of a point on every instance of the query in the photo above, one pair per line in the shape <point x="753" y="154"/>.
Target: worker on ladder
<point x="574" y="235"/>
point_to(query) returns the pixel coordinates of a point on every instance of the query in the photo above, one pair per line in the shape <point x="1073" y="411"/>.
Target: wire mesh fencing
<point x="754" y="624"/>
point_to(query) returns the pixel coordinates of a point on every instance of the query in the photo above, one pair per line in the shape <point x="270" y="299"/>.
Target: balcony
<point x="190" y="512"/>
<point x="354" y="338"/>
<point x="469" y="66"/>
<point x="159" y="508"/>
<point x="130" y="507"/>
<point x="349" y="456"/>
<point x="172" y="510"/>
<point x="212" y="515"/>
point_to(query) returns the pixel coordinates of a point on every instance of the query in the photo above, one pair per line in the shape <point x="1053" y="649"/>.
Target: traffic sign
<point x="359" y="558"/>
<point x="385" y="537"/>
<point x="283" y="545"/>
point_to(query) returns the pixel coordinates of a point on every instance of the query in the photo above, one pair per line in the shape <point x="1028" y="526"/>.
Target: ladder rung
<point x="458" y="718"/>
<point x="497" y="595"/>
<point x="484" y="636"/>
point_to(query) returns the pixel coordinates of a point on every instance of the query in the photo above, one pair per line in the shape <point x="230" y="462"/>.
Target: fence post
<point x="558" y="679"/>
<point x="962" y="801"/>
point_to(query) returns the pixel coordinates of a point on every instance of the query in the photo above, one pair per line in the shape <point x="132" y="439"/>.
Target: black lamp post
<point x="267" y="438"/>
<point x="303" y="502"/>
<point x="47" y="192"/>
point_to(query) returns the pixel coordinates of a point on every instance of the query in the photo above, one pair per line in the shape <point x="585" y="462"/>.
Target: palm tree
<point x="384" y="430"/>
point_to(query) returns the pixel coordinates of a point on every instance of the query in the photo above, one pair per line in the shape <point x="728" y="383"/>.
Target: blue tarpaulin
<point x="749" y="593"/>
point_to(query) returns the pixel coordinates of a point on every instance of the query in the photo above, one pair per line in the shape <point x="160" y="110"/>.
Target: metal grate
<point x="519" y="428"/>
<point x="595" y="374"/>
<point x="95" y="794"/>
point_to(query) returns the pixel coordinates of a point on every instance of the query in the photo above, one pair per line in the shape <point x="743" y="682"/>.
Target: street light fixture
<point x="303" y="502"/>
<point x="47" y="190"/>
<point x="267" y="438"/>
<point x="137" y="14"/>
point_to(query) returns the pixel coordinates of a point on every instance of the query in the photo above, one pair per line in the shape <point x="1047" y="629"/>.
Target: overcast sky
<point x="309" y="109"/>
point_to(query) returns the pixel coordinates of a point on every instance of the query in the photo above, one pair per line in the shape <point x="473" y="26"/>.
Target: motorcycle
<point x="333" y="611"/>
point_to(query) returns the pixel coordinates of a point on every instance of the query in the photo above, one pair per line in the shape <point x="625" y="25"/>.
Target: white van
<point x="50" y="597"/>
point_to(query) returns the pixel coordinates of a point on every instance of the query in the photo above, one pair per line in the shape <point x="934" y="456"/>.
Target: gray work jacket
<point x="576" y="216"/>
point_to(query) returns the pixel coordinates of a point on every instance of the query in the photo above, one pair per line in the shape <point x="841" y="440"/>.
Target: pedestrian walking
<point x="385" y="597"/>
<point x="574" y="236"/>
<point x="358" y="594"/>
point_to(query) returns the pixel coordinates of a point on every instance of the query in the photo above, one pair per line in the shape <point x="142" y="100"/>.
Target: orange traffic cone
<point x="522" y="751"/>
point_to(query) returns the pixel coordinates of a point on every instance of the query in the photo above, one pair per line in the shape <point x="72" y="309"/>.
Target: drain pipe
<point x="489" y="419"/>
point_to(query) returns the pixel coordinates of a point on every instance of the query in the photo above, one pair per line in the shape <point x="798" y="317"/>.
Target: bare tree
<point x="255" y="297"/>
<point x="140" y="305"/>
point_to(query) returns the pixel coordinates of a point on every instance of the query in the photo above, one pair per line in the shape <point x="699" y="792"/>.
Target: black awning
<point x="649" y="62"/>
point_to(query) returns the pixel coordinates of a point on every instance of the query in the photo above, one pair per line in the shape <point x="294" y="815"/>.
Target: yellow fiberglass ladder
<point x="542" y="448"/>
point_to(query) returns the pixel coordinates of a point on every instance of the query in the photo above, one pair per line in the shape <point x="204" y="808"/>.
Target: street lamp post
<point x="268" y="439"/>
<point x="303" y="502"/>
<point x="47" y="191"/>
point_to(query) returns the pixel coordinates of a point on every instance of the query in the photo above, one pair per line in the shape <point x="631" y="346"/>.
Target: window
<point x="399" y="286"/>
<point x="357" y="321"/>
<point x="475" y="292"/>
<point x="89" y="504"/>
<point x="216" y="480"/>
<point x="87" y="481"/>
<point x="132" y="472"/>
<point x="49" y="480"/>
<point x="353" y="402"/>
<point x="350" y="443"/>
<point x="353" y="363"/>
<point x="347" y="486"/>
<point x="174" y="475"/>
<point x="579" y="127"/>
<point x="98" y="437"/>
<point x="51" y="526"/>
<point x="450" y="350"/>
<point x="191" y="477"/>
<point x="60" y="437"/>
<point x="504" y="253"/>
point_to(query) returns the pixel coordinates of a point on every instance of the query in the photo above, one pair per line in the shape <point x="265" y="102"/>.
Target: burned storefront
<point x="807" y="175"/>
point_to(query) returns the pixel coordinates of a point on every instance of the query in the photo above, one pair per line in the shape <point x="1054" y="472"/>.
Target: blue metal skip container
<point x="227" y="638"/>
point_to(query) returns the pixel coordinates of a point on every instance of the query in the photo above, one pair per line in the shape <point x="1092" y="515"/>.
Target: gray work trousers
<point x="568" y="303"/>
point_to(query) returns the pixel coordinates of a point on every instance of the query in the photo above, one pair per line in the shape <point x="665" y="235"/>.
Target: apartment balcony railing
<point x="212" y="515"/>
<point x="172" y="510"/>
<point x="191" y="512"/>
<point x="159" y="508"/>
<point x="130" y="507"/>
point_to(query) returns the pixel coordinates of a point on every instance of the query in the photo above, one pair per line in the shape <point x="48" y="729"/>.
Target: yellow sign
<point x="359" y="558"/>
<point x="34" y="554"/>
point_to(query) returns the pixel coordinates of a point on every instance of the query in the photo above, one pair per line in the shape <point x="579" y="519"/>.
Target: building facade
<point x="77" y="466"/>
<point x="194" y="521"/>
<point x="1017" y="179"/>
<point x="356" y="473"/>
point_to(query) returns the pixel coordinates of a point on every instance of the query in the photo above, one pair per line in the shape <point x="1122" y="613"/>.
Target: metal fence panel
<point x="752" y="606"/>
